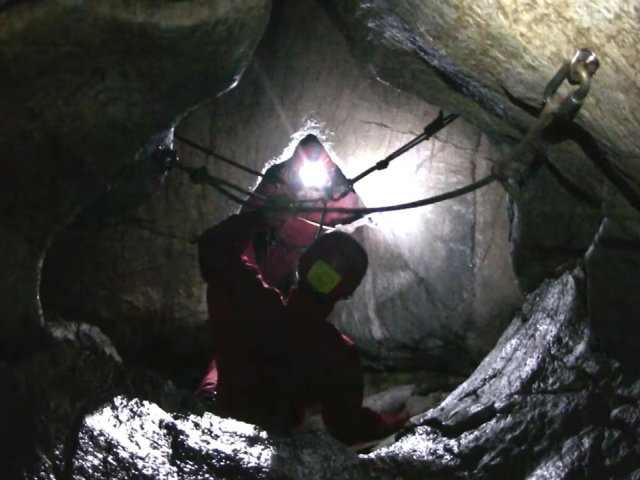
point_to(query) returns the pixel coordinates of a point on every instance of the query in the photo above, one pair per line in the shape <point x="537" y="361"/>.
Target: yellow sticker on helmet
<point x="322" y="277"/>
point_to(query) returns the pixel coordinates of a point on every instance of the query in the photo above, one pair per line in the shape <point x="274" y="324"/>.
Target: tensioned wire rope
<point x="202" y="175"/>
<point x="579" y="71"/>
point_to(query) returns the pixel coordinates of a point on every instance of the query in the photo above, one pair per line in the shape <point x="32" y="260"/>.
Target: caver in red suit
<point x="277" y="255"/>
<point x="274" y="358"/>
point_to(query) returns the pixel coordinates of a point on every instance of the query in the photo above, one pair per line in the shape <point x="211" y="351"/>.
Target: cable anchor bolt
<point x="578" y="71"/>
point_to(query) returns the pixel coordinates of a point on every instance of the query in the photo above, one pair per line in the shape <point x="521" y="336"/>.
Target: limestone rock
<point x="542" y="404"/>
<point x="83" y="334"/>
<point x="46" y="397"/>
<point x="145" y="441"/>
<point x="551" y="229"/>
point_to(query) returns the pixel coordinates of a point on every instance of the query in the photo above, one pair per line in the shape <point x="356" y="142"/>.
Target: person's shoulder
<point x="274" y="172"/>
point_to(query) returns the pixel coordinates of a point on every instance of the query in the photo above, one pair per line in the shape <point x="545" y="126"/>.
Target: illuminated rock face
<point x="491" y="51"/>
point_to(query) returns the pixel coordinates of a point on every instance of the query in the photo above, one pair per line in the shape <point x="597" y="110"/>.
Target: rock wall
<point x="543" y="404"/>
<point x="491" y="61"/>
<point x="613" y="277"/>
<point x="84" y="85"/>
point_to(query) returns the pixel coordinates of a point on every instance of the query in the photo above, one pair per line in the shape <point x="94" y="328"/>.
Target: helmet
<point x="333" y="265"/>
<point x="310" y="148"/>
<point x="310" y="166"/>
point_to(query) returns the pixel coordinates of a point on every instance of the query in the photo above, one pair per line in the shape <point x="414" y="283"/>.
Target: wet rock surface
<point x="543" y="404"/>
<point x="146" y="442"/>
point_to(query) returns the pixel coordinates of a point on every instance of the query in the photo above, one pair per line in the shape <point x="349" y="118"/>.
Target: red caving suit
<point x="272" y="359"/>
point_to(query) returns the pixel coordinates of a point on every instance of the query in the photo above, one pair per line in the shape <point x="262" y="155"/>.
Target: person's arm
<point x="342" y="410"/>
<point x="232" y="281"/>
<point x="220" y="247"/>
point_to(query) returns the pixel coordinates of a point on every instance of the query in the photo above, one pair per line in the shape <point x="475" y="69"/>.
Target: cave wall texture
<point x="429" y="297"/>
<point x="89" y="88"/>
<point x="82" y="84"/>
